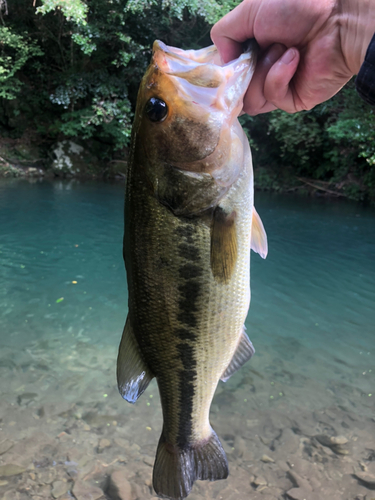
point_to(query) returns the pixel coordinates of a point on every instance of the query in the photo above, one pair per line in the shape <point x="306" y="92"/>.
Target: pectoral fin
<point x="223" y="244"/>
<point x="258" y="236"/>
<point x="133" y="375"/>
<point x="242" y="354"/>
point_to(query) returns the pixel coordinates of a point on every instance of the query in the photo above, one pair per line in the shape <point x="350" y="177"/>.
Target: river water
<point x="298" y="418"/>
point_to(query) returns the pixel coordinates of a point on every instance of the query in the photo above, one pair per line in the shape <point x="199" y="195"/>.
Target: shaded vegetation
<point x="70" y="70"/>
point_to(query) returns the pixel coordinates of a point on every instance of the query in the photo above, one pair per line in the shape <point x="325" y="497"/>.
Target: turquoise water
<point x="63" y="303"/>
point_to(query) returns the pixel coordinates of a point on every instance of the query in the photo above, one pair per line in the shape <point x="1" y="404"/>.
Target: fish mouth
<point x="203" y="78"/>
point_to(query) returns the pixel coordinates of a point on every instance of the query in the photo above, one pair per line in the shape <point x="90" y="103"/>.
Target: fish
<point x="190" y="222"/>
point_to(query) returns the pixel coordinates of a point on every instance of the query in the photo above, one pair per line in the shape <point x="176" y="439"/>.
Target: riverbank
<point x="67" y="159"/>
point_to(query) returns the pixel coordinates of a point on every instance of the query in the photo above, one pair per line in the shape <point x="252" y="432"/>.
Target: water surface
<point x="63" y="303"/>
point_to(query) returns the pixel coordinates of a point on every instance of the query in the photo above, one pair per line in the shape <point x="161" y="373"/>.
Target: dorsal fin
<point x="243" y="353"/>
<point x="223" y="244"/>
<point x="258" y="236"/>
<point x="133" y="375"/>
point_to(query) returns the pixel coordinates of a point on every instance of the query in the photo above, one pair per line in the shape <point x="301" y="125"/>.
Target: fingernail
<point x="288" y="56"/>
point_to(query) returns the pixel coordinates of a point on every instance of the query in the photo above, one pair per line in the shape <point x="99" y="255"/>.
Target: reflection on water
<point x="298" y="418"/>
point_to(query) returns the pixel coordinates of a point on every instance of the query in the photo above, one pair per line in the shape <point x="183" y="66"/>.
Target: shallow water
<point x="63" y="303"/>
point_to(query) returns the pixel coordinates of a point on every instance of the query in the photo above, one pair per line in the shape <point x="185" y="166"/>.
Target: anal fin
<point x="133" y="375"/>
<point x="243" y="353"/>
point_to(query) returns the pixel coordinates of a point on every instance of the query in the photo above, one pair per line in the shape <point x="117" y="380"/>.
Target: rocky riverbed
<point x="67" y="434"/>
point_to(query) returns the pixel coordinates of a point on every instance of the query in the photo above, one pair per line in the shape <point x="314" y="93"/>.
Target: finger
<point x="255" y="102"/>
<point x="277" y="86"/>
<point x="233" y="29"/>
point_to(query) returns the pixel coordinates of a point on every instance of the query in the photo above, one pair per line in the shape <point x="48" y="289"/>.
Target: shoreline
<point x="301" y="186"/>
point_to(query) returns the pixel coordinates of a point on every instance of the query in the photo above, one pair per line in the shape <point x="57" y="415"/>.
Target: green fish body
<point x="189" y="226"/>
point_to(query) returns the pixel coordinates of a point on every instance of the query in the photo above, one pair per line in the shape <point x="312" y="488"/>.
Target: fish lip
<point x="200" y="56"/>
<point x="233" y="77"/>
<point x="207" y="55"/>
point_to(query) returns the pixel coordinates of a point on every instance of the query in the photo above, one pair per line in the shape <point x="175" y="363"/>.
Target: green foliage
<point x="109" y="111"/>
<point x="94" y="55"/>
<point x="210" y="10"/>
<point x="14" y="53"/>
<point x="74" y="10"/>
<point x="333" y="143"/>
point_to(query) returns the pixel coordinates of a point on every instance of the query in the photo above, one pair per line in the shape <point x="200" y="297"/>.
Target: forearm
<point x="357" y="27"/>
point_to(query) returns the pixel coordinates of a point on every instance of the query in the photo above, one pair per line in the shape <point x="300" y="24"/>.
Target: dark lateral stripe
<point x="187" y="392"/>
<point x="189" y="271"/>
<point x="188" y="252"/>
<point x="189" y="293"/>
<point x="189" y="289"/>
<point x="185" y="334"/>
<point x="186" y="231"/>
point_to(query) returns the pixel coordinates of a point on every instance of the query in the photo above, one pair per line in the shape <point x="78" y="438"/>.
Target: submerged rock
<point x="59" y="488"/>
<point x="26" y="398"/>
<point x="5" y="446"/>
<point x="299" y="481"/>
<point x="336" y="443"/>
<point x="103" y="444"/>
<point x="85" y="491"/>
<point x="119" y="487"/>
<point x="302" y="494"/>
<point x="11" y="470"/>
<point x="367" y="479"/>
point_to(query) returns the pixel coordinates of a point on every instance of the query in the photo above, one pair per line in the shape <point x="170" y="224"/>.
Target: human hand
<point x="310" y="48"/>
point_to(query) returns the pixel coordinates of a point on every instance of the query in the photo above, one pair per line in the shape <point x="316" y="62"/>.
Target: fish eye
<point x="156" y="109"/>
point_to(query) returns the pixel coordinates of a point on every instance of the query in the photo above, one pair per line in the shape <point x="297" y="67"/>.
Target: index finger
<point x="233" y="29"/>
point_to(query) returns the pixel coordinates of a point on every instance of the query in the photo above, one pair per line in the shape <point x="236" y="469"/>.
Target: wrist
<point x="357" y="28"/>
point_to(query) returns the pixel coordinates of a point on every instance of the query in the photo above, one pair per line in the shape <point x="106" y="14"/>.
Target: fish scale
<point x="188" y="221"/>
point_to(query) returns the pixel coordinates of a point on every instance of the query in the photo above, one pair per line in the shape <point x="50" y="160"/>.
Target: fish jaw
<point x="203" y="98"/>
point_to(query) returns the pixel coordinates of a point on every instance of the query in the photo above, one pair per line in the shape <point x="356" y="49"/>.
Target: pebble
<point x="334" y="442"/>
<point x="3" y="483"/>
<point x="302" y="494"/>
<point x="367" y="479"/>
<point x="85" y="491"/>
<point x="260" y="481"/>
<point x="26" y="398"/>
<point x="289" y="442"/>
<point x="59" y="488"/>
<point x="340" y="450"/>
<point x="119" y="487"/>
<point x="338" y="440"/>
<point x="283" y="465"/>
<point x="239" y="447"/>
<point x="267" y="459"/>
<point x="46" y="476"/>
<point x="5" y="446"/>
<point x="298" y="480"/>
<point x="103" y="444"/>
<point x="11" y="470"/>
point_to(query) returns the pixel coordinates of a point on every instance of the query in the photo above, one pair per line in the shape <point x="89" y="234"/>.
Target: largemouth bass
<point x="189" y="226"/>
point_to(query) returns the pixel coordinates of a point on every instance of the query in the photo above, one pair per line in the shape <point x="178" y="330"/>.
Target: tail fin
<point x="176" y="470"/>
